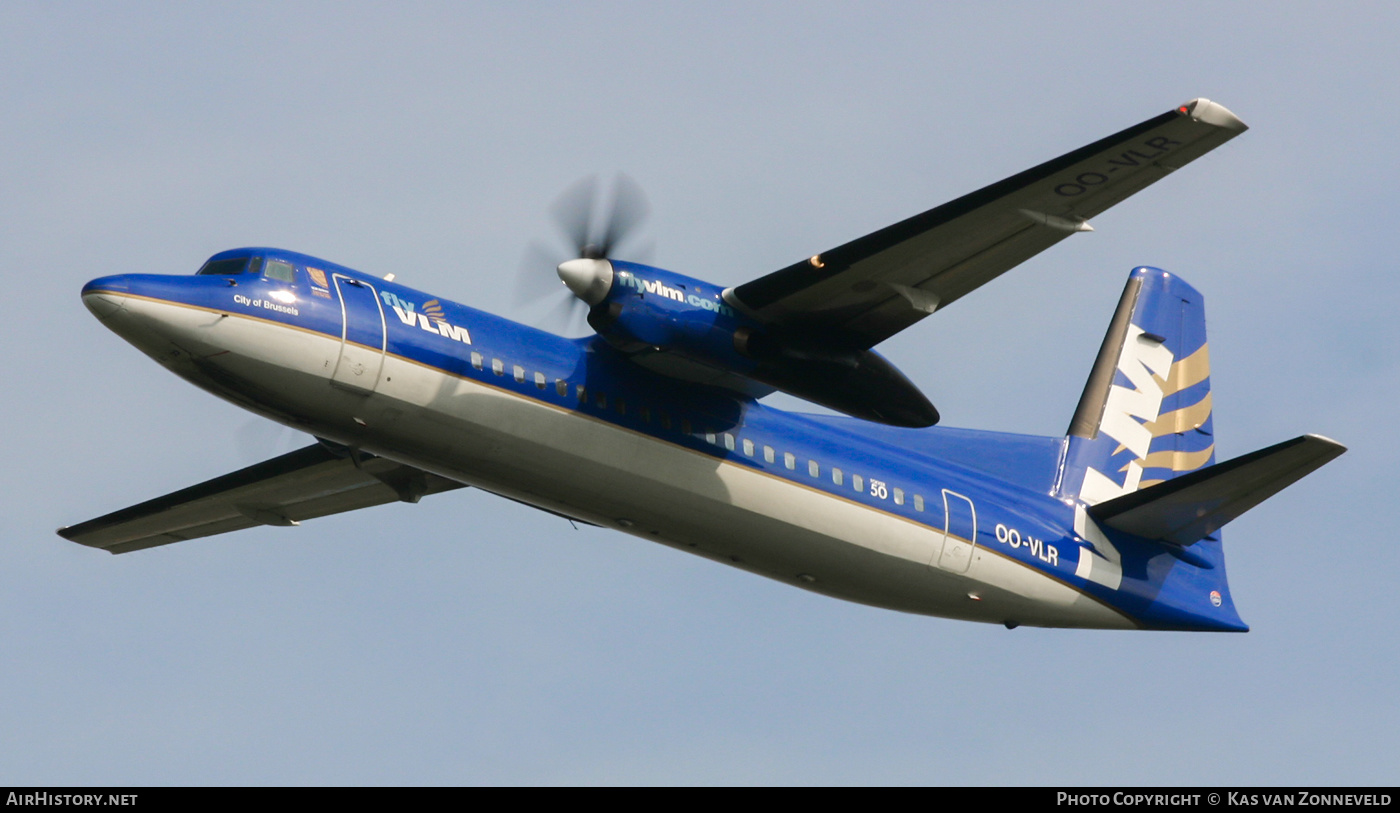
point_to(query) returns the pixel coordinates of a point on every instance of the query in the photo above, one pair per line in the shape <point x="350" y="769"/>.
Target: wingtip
<point x="1337" y="447"/>
<point x="1213" y="113"/>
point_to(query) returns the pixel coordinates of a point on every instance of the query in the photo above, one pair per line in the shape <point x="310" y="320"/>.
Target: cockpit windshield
<point x="230" y="266"/>
<point x="281" y="271"/>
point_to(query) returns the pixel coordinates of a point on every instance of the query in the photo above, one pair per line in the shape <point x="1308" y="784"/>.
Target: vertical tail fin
<point x="1145" y="415"/>
<point x="1140" y="462"/>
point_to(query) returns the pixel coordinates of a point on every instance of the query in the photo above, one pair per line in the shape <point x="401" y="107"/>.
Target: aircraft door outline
<point x="959" y="532"/>
<point x="363" y="340"/>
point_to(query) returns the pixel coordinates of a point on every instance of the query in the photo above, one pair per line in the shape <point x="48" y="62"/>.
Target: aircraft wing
<point x="308" y="483"/>
<point x="875" y="286"/>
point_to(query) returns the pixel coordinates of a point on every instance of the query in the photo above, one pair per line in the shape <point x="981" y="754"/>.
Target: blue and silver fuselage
<point x="937" y="521"/>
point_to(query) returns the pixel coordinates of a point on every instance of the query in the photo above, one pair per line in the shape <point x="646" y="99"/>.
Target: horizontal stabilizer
<point x="308" y="483"/>
<point x="1184" y="510"/>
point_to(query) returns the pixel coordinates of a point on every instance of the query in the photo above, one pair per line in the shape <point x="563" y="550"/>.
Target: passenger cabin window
<point x="836" y="476"/>
<point x="498" y="367"/>
<point x="790" y="460"/>
<point x="918" y="502"/>
<point x="768" y="454"/>
<point x="899" y="496"/>
<point x="748" y="447"/>
<point x="813" y="469"/>
<point x="858" y="482"/>
<point x="561" y="386"/>
<point x="224" y="268"/>
<point x="280" y="271"/>
<point x="476" y="360"/>
<point x="539" y="380"/>
<point x="519" y="374"/>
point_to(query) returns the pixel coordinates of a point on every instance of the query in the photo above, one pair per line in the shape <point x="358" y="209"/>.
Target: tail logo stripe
<point x="1188" y="372"/>
<point x="1181" y="420"/>
<point x="1176" y="460"/>
<point x="1140" y="359"/>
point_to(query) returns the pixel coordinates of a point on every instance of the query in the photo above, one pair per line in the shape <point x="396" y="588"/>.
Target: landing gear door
<point x="959" y="532"/>
<point x="362" y="334"/>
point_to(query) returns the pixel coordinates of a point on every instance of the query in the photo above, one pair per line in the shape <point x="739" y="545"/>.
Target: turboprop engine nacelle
<point x="642" y="310"/>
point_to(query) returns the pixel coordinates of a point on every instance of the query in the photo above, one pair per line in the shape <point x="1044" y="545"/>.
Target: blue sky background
<point x="472" y="640"/>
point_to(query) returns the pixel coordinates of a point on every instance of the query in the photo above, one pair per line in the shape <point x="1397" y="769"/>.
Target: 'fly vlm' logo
<point x="658" y="288"/>
<point x="431" y="319"/>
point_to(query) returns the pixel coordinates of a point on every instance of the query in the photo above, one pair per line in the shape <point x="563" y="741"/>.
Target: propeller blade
<point x="568" y="316"/>
<point x="533" y="281"/>
<point x="258" y="439"/>
<point x="629" y="208"/>
<point x="573" y="212"/>
<point x="644" y="254"/>
<point x="593" y="230"/>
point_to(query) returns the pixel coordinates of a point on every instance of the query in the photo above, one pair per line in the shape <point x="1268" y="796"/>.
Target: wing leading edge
<point x="875" y="286"/>
<point x="305" y="484"/>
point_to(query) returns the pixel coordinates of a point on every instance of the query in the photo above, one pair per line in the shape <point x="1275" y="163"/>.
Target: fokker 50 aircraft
<point x="652" y="426"/>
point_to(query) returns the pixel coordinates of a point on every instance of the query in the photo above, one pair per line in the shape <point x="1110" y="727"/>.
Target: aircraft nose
<point x="105" y="296"/>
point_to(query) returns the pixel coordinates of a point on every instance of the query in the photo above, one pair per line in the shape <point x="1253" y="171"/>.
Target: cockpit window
<point x="224" y="268"/>
<point x="279" y="270"/>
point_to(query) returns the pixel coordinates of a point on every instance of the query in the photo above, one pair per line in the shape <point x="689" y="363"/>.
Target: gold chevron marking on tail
<point x="1174" y="460"/>
<point x="1181" y="420"/>
<point x="1178" y="421"/>
<point x="1187" y="372"/>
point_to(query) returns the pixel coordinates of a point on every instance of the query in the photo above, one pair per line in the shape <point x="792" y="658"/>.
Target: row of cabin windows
<point x="814" y="469"/>
<point x="561" y="388"/>
<point x="725" y="439"/>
